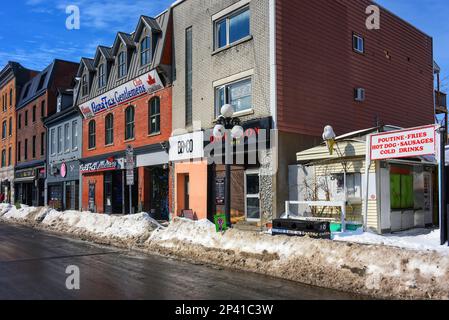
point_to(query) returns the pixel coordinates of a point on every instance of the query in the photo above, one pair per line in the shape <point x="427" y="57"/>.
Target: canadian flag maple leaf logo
<point x="151" y="81"/>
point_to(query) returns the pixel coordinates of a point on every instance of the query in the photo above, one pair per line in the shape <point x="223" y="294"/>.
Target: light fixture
<point x="227" y="111"/>
<point x="219" y="131"/>
<point x="237" y="132"/>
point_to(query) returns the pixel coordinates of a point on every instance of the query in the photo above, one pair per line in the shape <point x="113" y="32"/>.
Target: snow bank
<point x="101" y="226"/>
<point x="417" y="239"/>
<point x="380" y="271"/>
<point x="24" y="214"/>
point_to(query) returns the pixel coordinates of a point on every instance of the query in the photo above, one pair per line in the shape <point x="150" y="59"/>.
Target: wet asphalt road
<point x="33" y="265"/>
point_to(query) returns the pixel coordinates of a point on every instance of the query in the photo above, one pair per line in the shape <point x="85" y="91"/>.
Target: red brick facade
<point x="318" y="70"/>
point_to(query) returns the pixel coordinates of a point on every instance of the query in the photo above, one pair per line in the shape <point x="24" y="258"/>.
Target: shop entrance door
<point x="159" y="193"/>
<point x="113" y="192"/>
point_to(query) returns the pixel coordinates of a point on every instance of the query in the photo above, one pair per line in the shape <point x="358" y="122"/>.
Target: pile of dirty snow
<point x="416" y="239"/>
<point x="24" y="214"/>
<point x="101" y="226"/>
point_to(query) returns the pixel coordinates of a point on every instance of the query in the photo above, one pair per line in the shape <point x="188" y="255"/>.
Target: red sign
<point x="407" y="143"/>
<point x="63" y="170"/>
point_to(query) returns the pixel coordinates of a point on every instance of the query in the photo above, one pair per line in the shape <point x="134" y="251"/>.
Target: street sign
<point x="130" y="164"/>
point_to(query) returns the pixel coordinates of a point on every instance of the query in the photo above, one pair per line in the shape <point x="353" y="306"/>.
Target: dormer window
<point x="101" y="76"/>
<point x="145" y="51"/>
<point x="122" y="68"/>
<point x="84" y="86"/>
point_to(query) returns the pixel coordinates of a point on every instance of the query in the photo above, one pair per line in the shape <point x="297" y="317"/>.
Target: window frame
<point x="84" y="86"/>
<point x="101" y="76"/>
<point x="43" y="144"/>
<point x="4" y="158"/>
<point x="53" y="141"/>
<point x="227" y="100"/>
<point x="109" y="131"/>
<point x="227" y="19"/>
<point x="252" y="196"/>
<point x="92" y="135"/>
<point x="144" y="52"/>
<point x="152" y="116"/>
<point x="122" y="66"/>
<point x="356" y="41"/>
<point x="10" y="127"/>
<point x="4" y="129"/>
<point x="59" y="140"/>
<point x="130" y="123"/>
<point x="33" y="149"/>
<point x="67" y="146"/>
<point x="75" y="135"/>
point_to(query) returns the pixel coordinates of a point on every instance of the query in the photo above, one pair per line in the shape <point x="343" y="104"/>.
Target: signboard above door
<point x="408" y="143"/>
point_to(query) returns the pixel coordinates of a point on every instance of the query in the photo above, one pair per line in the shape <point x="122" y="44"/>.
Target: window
<point x="43" y="143"/>
<point x="34" y="114"/>
<point x="122" y="68"/>
<point x="60" y="139"/>
<point x="145" y="51"/>
<point x="43" y="109"/>
<point x="92" y="134"/>
<point x="101" y="76"/>
<point x="19" y="151"/>
<point x="252" y="196"/>
<point x="26" y="118"/>
<point x="41" y="81"/>
<point x="109" y="127"/>
<point x="53" y="141"/>
<point x="232" y="28"/>
<point x="129" y="123"/>
<point x="10" y="126"/>
<point x="353" y="186"/>
<point x="401" y="189"/>
<point x="3" y="158"/>
<point x="34" y="147"/>
<point x="238" y="94"/>
<point x="154" y="116"/>
<point x="26" y="149"/>
<point x="4" y="130"/>
<point x="74" y="135"/>
<point x="10" y="156"/>
<point x="19" y="120"/>
<point x="67" y="137"/>
<point x="10" y="98"/>
<point x="189" y="75"/>
<point x="358" y="43"/>
<point x="84" y="86"/>
<point x="359" y="94"/>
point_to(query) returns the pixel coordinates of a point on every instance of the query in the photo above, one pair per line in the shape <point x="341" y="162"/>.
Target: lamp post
<point x="225" y="122"/>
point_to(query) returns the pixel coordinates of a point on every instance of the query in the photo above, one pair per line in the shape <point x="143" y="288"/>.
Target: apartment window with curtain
<point x="101" y="76"/>
<point x="109" y="128"/>
<point x="155" y="116"/>
<point x="189" y="75"/>
<point x="145" y="51"/>
<point x="122" y="67"/>
<point x="92" y="134"/>
<point x="232" y="28"/>
<point x="129" y="123"/>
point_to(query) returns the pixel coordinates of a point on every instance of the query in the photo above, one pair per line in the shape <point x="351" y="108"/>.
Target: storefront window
<point x="252" y="194"/>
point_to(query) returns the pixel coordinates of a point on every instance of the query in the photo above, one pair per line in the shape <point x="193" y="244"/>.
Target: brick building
<point x="124" y="94"/>
<point x="38" y="100"/>
<point x="301" y="65"/>
<point x="12" y="78"/>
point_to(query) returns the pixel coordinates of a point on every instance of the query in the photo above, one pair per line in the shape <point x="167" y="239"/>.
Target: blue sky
<point x="33" y="31"/>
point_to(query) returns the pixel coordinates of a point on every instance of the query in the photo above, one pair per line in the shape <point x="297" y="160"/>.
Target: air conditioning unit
<point x="359" y="94"/>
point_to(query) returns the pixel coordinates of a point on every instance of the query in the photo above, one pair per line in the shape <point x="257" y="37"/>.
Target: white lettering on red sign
<point x="404" y="143"/>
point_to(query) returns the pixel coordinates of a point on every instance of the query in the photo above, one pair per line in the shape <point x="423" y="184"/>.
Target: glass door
<point x="252" y="196"/>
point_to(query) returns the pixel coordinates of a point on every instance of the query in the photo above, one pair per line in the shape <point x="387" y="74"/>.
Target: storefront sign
<point x="187" y="147"/>
<point x="145" y="84"/>
<point x="29" y="173"/>
<point x="104" y="165"/>
<point x="404" y="143"/>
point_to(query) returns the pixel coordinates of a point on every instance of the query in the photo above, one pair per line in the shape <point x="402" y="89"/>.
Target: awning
<point x="21" y="180"/>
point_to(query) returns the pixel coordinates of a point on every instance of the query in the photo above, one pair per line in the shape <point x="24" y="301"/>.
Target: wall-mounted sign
<point x="220" y="184"/>
<point x="130" y="164"/>
<point x="404" y="143"/>
<point x="105" y="165"/>
<point x="25" y="174"/>
<point x="145" y="84"/>
<point x="63" y="170"/>
<point x="187" y="147"/>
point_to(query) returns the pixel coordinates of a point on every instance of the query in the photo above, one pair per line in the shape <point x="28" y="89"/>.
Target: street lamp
<point x="227" y="121"/>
